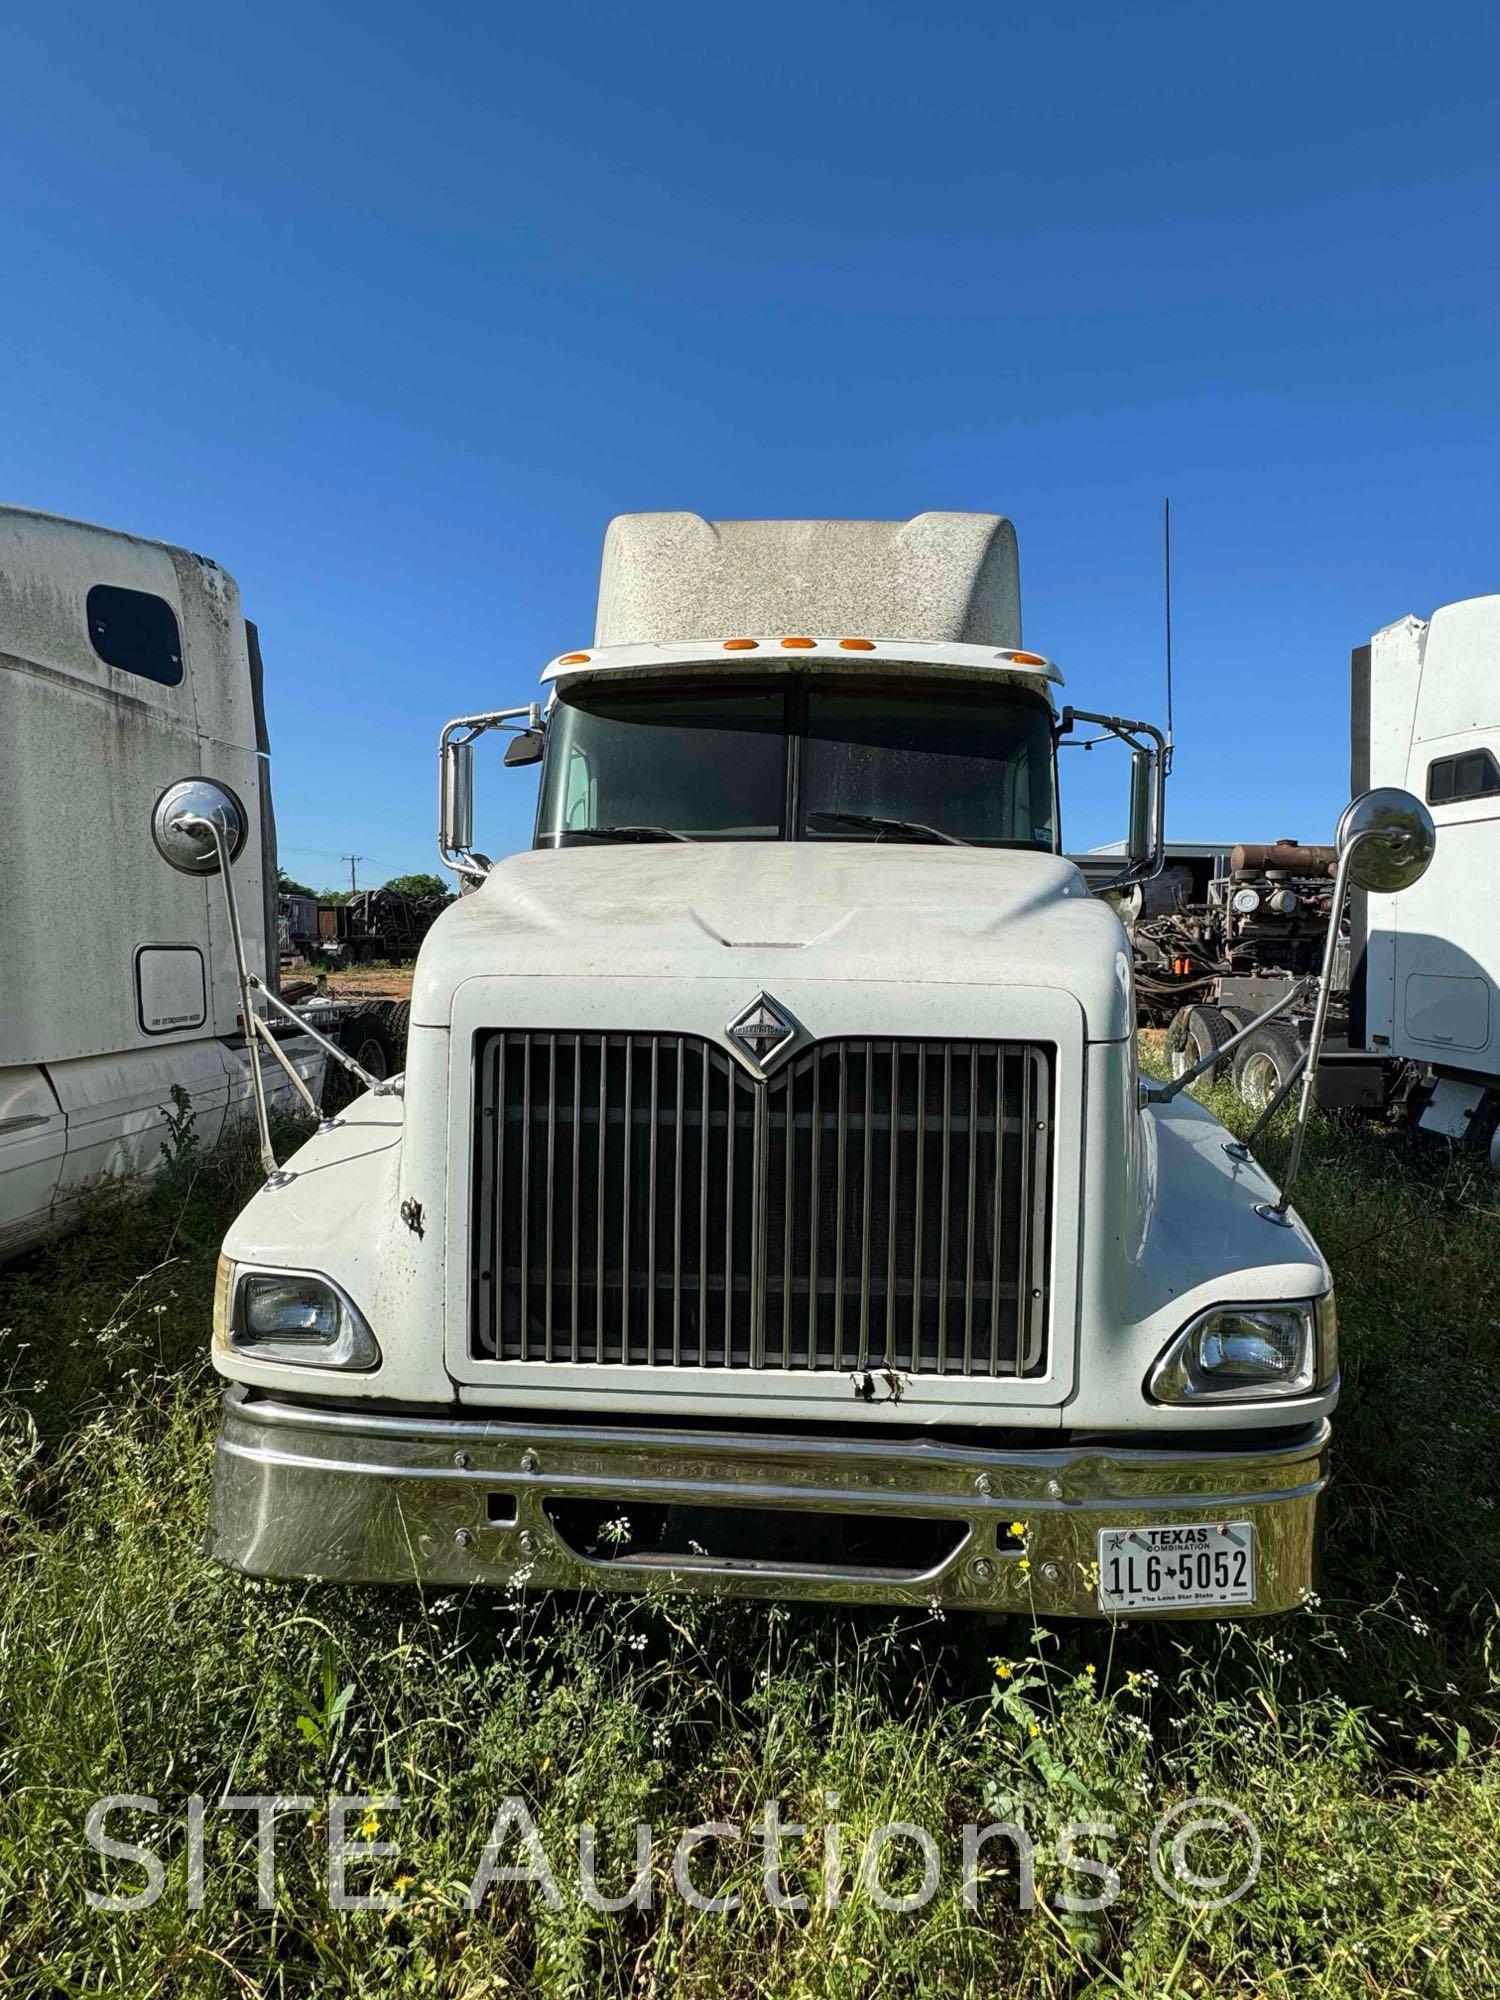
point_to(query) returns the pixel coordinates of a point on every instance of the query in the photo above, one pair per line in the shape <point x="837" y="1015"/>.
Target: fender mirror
<point x="1386" y="840"/>
<point x="1389" y="837"/>
<point x="183" y="820"/>
<point x="199" y="828"/>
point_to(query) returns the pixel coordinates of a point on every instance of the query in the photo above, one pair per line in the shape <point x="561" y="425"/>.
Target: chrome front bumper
<point x="301" y="1491"/>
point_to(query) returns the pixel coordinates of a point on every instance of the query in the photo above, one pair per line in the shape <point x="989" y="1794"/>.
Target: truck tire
<point x="1195" y="1032"/>
<point x="398" y="1017"/>
<point x="368" y="1038"/>
<point x="366" y="1034"/>
<point x="1263" y="1062"/>
<point x="1238" y="1017"/>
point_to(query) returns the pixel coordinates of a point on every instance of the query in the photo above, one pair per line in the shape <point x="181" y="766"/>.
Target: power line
<point x="353" y="861"/>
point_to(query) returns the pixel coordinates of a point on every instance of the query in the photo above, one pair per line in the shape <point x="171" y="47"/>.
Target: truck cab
<point x="773" y="1204"/>
<point x="1424" y="999"/>
<point x="128" y="672"/>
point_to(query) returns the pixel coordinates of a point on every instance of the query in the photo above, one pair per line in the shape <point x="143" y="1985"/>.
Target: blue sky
<point x="389" y="309"/>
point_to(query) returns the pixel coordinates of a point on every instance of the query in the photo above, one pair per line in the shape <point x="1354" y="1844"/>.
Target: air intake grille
<point x="874" y="1203"/>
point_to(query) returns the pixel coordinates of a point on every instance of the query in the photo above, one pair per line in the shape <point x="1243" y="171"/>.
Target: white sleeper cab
<point x="128" y="673"/>
<point x="772" y="1204"/>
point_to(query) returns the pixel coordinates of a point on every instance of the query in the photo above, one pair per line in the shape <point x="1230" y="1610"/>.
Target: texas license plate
<point x="1177" y="1566"/>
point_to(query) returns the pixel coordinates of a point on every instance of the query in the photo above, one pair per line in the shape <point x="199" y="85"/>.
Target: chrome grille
<point x="873" y="1204"/>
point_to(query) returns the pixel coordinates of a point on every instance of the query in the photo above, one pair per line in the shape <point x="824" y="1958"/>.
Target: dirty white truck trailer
<point x="774" y="1205"/>
<point x="127" y="674"/>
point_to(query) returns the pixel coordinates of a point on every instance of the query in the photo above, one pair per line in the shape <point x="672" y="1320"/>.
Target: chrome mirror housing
<point x="456" y="779"/>
<point x="1385" y="839"/>
<point x="199" y="828"/>
<point x="456" y="834"/>
<point x="181" y="825"/>
<point x="1389" y="838"/>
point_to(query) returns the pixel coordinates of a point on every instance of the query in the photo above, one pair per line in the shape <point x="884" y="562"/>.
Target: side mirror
<point x="1140" y="844"/>
<point x="526" y="748"/>
<point x="457" y="835"/>
<point x="456" y="778"/>
<point x="1149" y="763"/>
<point x="1389" y="838"/>
<point x="181" y="825"/>
<point x="1386" y="840"/>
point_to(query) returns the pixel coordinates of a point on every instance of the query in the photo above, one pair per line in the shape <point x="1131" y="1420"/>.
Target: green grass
<point x="1360" y="1734"/>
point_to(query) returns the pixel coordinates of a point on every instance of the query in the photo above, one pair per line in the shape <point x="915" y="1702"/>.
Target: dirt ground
<point x="357" y="982"/>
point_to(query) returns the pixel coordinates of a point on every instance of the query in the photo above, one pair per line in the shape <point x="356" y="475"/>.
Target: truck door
<point x="1448" y="924"/>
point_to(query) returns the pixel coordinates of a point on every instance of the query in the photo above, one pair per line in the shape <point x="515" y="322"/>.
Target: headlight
<point x="1249" y="1353"/>
<point x="296" y="1317"/>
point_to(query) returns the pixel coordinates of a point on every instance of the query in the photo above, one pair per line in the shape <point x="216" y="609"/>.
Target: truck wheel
<point x="367" y="1036"/>
<point x="1195" y="1032"/>
<point x="1238" y="1017"/>
<point x="1263" y="1062"/>
<point x="369" y="1040"/>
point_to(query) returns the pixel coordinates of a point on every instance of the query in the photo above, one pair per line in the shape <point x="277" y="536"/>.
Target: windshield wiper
<point x="628" y="833"/>
<point x="904" y="829"/>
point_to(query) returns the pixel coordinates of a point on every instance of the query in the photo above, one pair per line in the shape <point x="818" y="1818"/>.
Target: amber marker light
<point x="574" y="660"/>
<point x="740" y="645"/>
<point x="857" y="645"/>
<point x="801" y="643"/>
<point x="1026" y="659"/>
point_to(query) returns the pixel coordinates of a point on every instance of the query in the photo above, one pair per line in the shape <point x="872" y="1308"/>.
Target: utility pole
<point x="353" y="860"/>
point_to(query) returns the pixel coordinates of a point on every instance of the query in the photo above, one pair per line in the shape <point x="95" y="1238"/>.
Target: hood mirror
<point x="1389" y="838"/>
<point x="178" y="827"/>
<point x="1386" y="840"/>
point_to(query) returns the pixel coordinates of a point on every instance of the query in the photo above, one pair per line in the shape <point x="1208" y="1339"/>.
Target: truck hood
<point x="819" y="911"/>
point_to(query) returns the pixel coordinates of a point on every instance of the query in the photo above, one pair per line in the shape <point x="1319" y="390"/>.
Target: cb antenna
<point x="1166" y="555"/>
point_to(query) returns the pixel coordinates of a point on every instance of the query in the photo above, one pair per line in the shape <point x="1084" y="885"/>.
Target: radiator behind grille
<point x="874" y="1203"/>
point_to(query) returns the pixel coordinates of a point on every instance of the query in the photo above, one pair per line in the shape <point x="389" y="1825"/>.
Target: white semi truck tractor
<point x="772" y="1204"/>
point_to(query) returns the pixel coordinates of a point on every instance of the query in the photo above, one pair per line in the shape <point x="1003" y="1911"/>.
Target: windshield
<point x="803" y="760"/>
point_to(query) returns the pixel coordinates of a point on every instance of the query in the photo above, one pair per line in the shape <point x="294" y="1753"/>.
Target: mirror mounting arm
<point x="256" y="1028"/>
<point x="456" y="781"/>
<point x="214" y="826"/>
<point x="1386" y="841"/>
<point x="1145" y="741"/>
